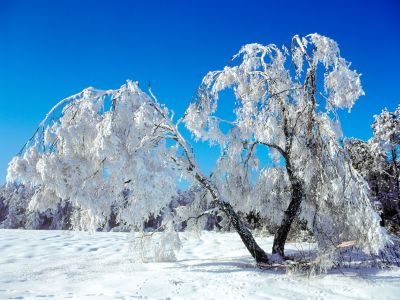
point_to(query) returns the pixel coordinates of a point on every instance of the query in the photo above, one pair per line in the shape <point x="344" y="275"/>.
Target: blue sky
<point x="52" y="49"/>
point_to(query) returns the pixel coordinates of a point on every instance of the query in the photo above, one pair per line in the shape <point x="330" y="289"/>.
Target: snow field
<point x="82" y="265"/>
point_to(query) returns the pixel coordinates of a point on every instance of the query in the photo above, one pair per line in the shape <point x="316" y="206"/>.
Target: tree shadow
<point x="230" y="265"/>
<point x="246" y="264"/>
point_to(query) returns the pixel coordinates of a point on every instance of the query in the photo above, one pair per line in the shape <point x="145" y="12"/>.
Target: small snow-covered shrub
<point x="156" y="247"/>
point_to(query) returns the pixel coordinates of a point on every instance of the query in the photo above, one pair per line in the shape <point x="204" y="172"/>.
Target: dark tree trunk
<point x="288" y="216"/>
<point x="245" y="234"/>
<point x="375" y="182"/>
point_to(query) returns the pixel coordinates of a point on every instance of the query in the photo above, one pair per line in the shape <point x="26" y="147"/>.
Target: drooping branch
<point x="246" y="236"/>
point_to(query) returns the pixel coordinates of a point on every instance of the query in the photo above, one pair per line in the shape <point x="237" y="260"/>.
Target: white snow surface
<point x="82" y="265"/>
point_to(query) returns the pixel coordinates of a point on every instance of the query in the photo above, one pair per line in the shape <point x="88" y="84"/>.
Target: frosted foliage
<point x="24" y="167"/>
<point x="278" y="108"/>
<point x="343" y="212"/>
<point x="325" y="50"/>
<point x="13" y="204"/>
<point x="342" y="84"/>
<point x="337" y="207"/>
<point x="15" y="212"/>
<point x="260" y="77"/>
<point x="366" y="157"/>
<point x="298" y="60"/>
<point x="195" y="213"/>
<point x="270" y="196"/>
<point x="386" y="129"/>
<point x="104" y="144"/>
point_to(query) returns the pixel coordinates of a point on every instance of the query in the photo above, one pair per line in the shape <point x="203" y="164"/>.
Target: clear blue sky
<point x="52" y="49"/>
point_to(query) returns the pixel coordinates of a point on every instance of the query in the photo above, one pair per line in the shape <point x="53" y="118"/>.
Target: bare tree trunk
<point x="288" y="217"/>
<point x="245" y="234"/>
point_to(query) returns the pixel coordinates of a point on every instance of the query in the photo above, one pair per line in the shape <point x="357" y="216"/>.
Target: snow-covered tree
<point x="100" y="147"/>
<point x="14" y="201"/>
<point x="385" y="147"/>
<point x="370" y="161"/>
<point x="279" y="104"/>
<point x="114" y="149"/>
<point x="15" y="212"/>
<point x="387" y="138"/>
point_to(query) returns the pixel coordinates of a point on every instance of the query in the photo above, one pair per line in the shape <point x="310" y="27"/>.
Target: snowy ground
<point x="79" y="265"/>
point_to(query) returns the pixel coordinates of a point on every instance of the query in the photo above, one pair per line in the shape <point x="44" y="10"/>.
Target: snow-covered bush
<point x="156" y="246"/>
